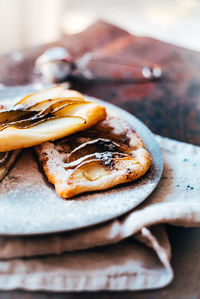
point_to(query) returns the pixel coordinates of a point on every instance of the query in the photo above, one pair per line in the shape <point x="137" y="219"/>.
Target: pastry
<point x="101" y="157"/>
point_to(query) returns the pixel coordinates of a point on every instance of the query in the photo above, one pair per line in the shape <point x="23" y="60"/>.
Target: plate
<point x="29" y="204"/>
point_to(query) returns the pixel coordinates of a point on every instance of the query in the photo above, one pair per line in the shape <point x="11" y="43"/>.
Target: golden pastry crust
<point x="108" y="154"/>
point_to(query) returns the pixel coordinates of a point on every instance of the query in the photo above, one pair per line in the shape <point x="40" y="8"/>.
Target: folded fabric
<point x="73" y="261"/>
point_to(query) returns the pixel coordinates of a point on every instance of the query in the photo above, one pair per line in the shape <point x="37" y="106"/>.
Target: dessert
<point x="103" y="156"/>
<point x="47" y="115"/>
<point x="79" y="145"/>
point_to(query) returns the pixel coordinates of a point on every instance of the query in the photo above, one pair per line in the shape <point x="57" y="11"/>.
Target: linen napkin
<point x="128" y="253"/>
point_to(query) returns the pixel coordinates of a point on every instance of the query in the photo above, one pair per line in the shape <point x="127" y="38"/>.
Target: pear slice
<point x="50" y="93"/>
<point x="9" y="116"/>
<point x="98" y="145"/>
<point x="95" y="169"/>
<point x="40" y="106"/>
<point x="94" y="175"/>
<point x="101" y="157"/>
<point x="59" y="106"/>
<point x="24" y="118"/>
<point x="28" y="123"/>
<point x="79" y="161"/>
<point x="63" y="123"/>
<point x="47" y="115"/>
<point x="54" y="111"/>
<point x="90" y="170"/>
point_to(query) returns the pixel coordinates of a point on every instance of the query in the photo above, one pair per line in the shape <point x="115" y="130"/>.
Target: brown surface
<point x="169" y="107"/>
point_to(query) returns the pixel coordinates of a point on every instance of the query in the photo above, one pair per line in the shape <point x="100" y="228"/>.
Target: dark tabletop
<point x="170" y="107"/>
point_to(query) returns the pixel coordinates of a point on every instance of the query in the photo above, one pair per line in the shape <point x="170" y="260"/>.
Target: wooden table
<point x="170" y="107"/>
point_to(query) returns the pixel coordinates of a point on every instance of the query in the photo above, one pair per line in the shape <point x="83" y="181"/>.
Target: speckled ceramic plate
<point x="29" y="204"/>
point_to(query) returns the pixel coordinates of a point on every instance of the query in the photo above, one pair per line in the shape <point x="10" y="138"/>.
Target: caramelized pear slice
<point x="23" y="119"/>
<point x="70" y="109"/>
<point x="35" y="120"/>
<point x="40" y="128"/>
<point x="98" y="145"/>
<point x="70" y="93"/>
<point x="95" y="169"/>
<point x="34" y="134"/>
<point x="59" y="105"/>
<point x="93" y="146"/>
<point x="24" y="124"/>
<point x="46" y="103"/>
<point x="92" y="170"/>
<point x="50" y="93"/>
<point x="9" y="116"/>
<point x="97" y="156"/>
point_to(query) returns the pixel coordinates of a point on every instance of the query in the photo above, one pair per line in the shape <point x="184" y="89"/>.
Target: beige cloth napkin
<point x="75" y="262"/>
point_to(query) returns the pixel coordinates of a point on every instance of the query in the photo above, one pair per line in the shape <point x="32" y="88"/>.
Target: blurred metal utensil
<point x="52" y="65"/>
<point x="57" y="65"/>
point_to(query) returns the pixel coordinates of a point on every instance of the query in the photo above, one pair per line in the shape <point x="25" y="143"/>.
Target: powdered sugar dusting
<point x="30" y="205"/>
<point x="53" y="155"/>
